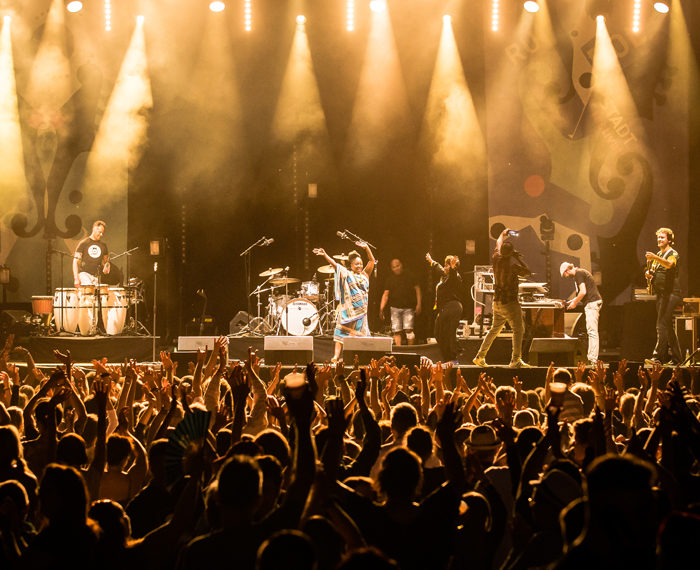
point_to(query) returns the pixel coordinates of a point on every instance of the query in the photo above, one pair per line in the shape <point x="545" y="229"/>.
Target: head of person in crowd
<point x="239" y="488"/>
<point x="289" y="549"/>
<point x="71" y="451"/>
<point x="114" y="523"/>
<point x="396" y="266"/>
<point x="369" y="558"/>
<point x="400" y="475"/>
<point x="403" y="418"/>
<point x="119" y="448"/>
<point x="10" y="448"/>
<point x="420" y="441"/>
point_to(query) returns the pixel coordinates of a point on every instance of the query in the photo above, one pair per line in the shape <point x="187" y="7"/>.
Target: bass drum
<point x="299" y="317"/>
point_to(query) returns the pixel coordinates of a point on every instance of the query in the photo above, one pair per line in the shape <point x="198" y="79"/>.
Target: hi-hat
<point x="272" y="271"/>
<point x="326" y="269"/>
<point x="341" y="257"/>
<point x="284" y="280"/>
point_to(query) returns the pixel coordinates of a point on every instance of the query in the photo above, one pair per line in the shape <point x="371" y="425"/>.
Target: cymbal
<point x="272" y="271"/>
<point x="341" y="257"/>
<point x="284" y="280"/>
<point x="326" y="269"/>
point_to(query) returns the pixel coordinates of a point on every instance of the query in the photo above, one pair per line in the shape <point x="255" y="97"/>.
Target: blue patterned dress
<point x="352" y="292"/>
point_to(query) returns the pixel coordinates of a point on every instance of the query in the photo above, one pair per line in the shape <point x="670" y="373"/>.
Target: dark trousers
<point x="666" y="339"/>
<point x="446" y="324"/>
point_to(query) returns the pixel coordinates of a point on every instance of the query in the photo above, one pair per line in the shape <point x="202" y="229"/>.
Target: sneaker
<point x="519" y="364"/>
<point x="479" y="361"/>
<point x="651" y="361"/>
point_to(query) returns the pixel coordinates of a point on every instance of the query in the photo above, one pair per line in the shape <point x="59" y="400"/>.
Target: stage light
<point x="139" y="20"/>
<point x="247" y="15"/>
<point x="531" y="6"/>
<point x="74" y="6"/>
<point x="350" y="15"/>
<point x="377" y="5"/>
<point x="301" y="19"/>
<point x="6" y="20"/>
<point x="108" y="15"/>
<point x="447" y="19"/>
<point x="217" y="6"/>
<point x="661" y="7"/>
<point x="600" y="19"/>
<point x="636" y="16"/>
<point x="495" y="15"/>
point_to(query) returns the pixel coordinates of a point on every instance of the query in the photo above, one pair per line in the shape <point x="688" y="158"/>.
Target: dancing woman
<point x="448" y="301"/>
<point x="352" y="292"/>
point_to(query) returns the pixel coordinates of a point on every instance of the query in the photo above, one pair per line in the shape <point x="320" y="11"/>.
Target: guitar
<point x="652" y="264"/>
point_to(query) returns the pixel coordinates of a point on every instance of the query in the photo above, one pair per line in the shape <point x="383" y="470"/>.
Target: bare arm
<point x="322" y="252"/>
<point x="371" y="261"/>
<point x="76" y="267"/>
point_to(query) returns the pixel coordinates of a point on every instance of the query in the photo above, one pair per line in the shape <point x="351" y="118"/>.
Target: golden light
<point x="299" y="107"/>
<point x="447" y="20"/>
<point x="377" y="6"/>
<point x="381" y="102"/>
<point x="139" y="20"/>
<point x="636" y="16"/>
<point x="661" y="7"/>
<point x="217" y="6"/>
<point x="301" y="20"/>
<point x="74" y="6"/>
<point x="108" y="15"/>
<point x="451" y="133"/>
<point x="248" y="15"/>
<point x="495" y="15"/>
<point x="50" y="78"/>
<point x="13" y="181"/>
<point x="350" y="15"/>
<point x="531" y="6"/>
<point x="122" y="133"/>
<point x="600" y="19"/>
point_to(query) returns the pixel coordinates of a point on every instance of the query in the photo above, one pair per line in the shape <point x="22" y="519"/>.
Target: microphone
<point x="341" y="235"/>
<point x="201" y="293"/>
<point x="286" y="269"/>
<point x="268" y="241"/>
<point x="155" y="266"/>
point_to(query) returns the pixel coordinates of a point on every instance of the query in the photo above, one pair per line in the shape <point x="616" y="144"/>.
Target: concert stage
<point x="85" y="348"/>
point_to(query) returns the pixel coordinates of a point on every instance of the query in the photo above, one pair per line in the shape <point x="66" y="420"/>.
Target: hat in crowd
<point x="483" y="438"/>
<point x="564" y="266"/>
<point x="559" y="486"/>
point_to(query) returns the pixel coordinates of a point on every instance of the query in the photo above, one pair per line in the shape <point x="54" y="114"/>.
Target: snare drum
<point x="65" y="309"/>
<point x="277" y="303"/>
<point x="309" y="291"/>
<point x="114" y="307"/>
<point x="299" y="317"/>
<point x="42" y="304"/>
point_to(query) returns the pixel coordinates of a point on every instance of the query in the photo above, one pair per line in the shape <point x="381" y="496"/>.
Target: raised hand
<point x="166" y="360"/>
<point x="336" y="415"/>
<point x="240" y="388"/>
<point x="319" y="251"/>
<point x="580" y="371"/>
<point x="373" y="369"/>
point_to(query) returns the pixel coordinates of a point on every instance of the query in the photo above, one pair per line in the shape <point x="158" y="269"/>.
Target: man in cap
<point x="586" y="294"/>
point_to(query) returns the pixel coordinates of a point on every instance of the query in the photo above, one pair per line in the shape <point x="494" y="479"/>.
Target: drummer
<point x="91" y="258"/>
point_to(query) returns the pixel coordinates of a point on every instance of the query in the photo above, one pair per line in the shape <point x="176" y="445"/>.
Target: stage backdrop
<point x="588" y="141"/>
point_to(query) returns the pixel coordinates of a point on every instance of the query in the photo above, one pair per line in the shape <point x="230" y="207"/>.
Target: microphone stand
<point x="63" y="298"/>
<point x="246" y="254"/>
<point x="128" y="253"/>
<point x="155" y="307"/>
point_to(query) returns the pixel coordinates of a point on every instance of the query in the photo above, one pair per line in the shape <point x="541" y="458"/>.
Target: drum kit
<point x="294" y="307"/>
<point x="77" y="310"/>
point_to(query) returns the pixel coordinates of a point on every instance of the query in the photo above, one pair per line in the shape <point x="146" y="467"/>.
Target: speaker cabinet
<point x="289" y="350"/>
<point x="366" y="348"/>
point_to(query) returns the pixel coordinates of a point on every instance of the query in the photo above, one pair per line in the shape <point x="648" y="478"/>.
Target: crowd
<point x="329" y="467"/>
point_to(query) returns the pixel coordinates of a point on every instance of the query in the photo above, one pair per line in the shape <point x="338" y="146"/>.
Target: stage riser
<point x="84" y="349"/>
